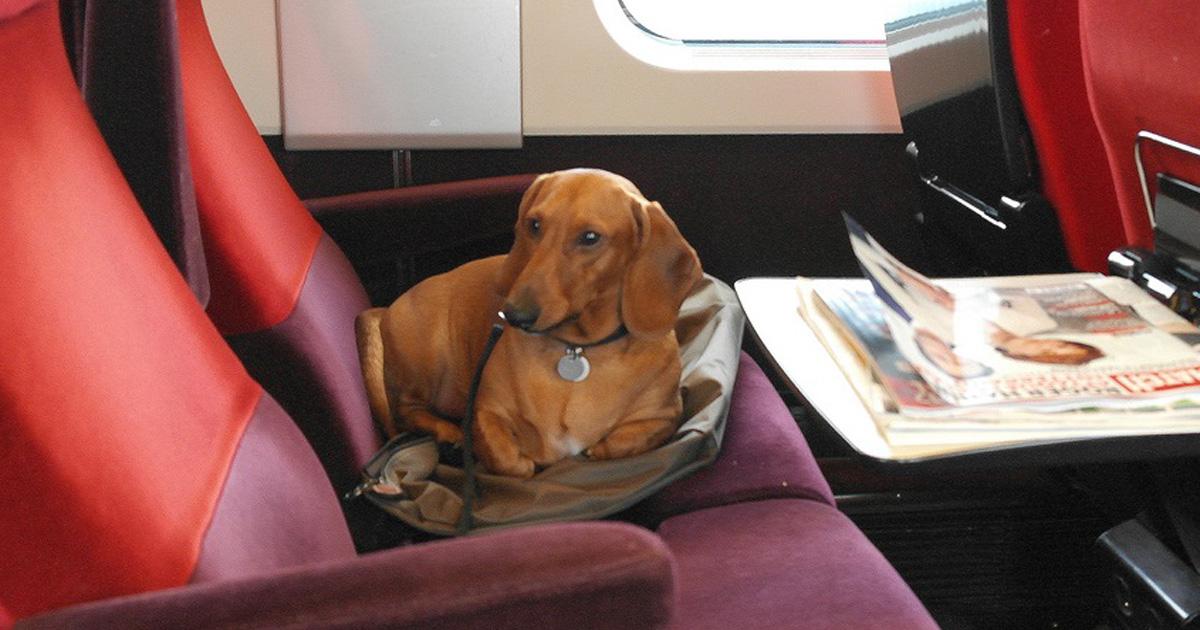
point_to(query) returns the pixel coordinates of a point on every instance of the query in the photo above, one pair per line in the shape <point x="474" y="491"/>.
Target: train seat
<point x="150" y="481"/>
<point x="148" y="474"/>
<point x="279" y="289"/>
<point x="285" y="297"/>
<point x="1091" y="77"/>
<point x="1141" y="62"/>
<point x="1047" y="66"/>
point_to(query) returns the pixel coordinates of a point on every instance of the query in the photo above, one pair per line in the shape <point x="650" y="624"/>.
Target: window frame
<point x="877" y="39"/>
<point x="744" y="55"/>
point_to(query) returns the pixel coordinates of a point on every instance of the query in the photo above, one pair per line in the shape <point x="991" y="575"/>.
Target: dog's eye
<point x="535" y="226"/>
<point x="589" y="238"/>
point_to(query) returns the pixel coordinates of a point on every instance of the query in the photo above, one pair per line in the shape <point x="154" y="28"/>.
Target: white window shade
<point x="400" y="74"/>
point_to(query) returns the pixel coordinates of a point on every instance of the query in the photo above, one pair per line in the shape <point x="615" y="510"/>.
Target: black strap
<point x="465" y="517"/>
<point x="620" y="332"/>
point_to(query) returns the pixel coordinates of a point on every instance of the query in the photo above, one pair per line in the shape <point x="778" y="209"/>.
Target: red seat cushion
<point x="122" y="404"/>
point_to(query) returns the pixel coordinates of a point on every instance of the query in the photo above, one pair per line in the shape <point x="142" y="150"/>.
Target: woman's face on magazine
<point x="1048" y="350"/>
<point x="943" y="356"/>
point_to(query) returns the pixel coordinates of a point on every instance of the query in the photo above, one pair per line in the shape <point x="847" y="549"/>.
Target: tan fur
<point x="370" y="354"/>
<point x="419" y="354"/>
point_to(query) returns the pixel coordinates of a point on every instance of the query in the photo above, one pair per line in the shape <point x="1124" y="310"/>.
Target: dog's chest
<point x="555" y="417"/>
<point x="576" y="390"/>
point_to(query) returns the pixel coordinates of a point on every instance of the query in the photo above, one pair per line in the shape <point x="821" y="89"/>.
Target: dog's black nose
<point x="523" y="318"/>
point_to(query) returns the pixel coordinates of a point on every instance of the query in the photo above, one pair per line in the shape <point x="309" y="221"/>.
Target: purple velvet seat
<point x="763" y="456"/>
<point x="784" y="563"/>
<point x="149" y="482"/>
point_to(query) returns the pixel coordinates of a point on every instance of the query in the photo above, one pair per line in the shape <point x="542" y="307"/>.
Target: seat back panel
<point x="1141" y="62"/>
<point x="122" y="406"/>
<point x="259" y="239"/>
<point x="1048" y="65"/>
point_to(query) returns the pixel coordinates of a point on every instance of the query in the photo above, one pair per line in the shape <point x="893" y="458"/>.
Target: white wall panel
<point x="578" y="80"/>
<point x="244" y="33"/>
<point x="400" y="74"/>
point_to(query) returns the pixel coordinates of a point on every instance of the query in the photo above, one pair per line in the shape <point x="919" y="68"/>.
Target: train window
<point x="783" y="22"/>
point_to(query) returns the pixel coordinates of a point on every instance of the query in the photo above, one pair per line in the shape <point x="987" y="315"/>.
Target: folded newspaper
<point x="1051" y="353"/>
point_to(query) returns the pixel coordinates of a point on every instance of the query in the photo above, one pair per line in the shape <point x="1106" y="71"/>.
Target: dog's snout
<point x="521" y="317"/>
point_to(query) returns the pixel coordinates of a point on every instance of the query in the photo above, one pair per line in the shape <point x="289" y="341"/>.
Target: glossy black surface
<point x="980" y="207"/>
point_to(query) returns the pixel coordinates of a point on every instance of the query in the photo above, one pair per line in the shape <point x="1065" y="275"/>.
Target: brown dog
<point x="596" y="276"/>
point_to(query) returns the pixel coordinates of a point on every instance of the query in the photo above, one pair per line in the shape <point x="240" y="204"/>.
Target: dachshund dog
<point x="589" y="364"/>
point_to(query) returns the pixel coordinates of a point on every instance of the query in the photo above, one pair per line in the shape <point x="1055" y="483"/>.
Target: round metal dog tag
<point x="574" y="367"/>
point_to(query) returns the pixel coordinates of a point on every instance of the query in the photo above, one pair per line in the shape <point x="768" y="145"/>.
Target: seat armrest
<point x="416" y="219"/>
<point x="578" y="575"/>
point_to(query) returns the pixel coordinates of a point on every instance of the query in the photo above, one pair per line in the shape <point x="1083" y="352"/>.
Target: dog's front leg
<point x="421" y="419"/>
<point x="497" y="447"/>
<point x="633" y="437"/>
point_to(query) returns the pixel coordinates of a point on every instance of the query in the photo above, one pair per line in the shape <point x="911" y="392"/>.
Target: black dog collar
<point x="573" y="366"/>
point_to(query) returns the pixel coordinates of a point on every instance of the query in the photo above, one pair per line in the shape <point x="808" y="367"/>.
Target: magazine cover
<point x="856" y="307"/>
<point x="1093" y="342"/>
<point x="847" y="318"/>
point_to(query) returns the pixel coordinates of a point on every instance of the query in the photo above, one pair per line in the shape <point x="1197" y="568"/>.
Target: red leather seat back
<point x="258" y="236"/>
<point x="140" y="115"/>
<point x="1047" y="62"/>
<point x="282" y="291"/>
<point x="1142" y="60"/>
<point x="123" y="409"/>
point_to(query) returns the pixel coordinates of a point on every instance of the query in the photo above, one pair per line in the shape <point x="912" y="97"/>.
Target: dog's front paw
<point x="606" y="450"/>
<point x="633" y="438"/>
<point x="496" y="446"/>
<point x="522" y="467"/>
<point x="448" y="433"/>
<point x="420" y="419"/>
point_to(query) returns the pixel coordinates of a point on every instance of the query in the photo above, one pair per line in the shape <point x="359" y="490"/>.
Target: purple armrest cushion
<point x="422" y="195"/>
<point x="385" y="224"/>
<point x="784" y="563"/>
<point x="763" y="456"/>
<point x="577" y="575"/>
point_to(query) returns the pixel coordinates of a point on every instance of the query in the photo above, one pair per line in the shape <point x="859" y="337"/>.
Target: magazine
<point x="1029" y="343"/>
<point x="909" y="413"/>
<point x="854" y="305"/>
<point x="847" y="318"/>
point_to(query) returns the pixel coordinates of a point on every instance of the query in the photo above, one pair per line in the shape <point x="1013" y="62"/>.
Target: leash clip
<point x="374" y="486"/>
<point x="358" y="490"/>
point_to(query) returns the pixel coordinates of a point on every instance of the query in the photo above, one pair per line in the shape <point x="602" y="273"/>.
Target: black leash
<point x="465" y="519"/>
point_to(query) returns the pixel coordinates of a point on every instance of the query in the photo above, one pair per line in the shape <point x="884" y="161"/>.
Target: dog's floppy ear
<point x="519" y="255"/>
<point x="661" y="275"/>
